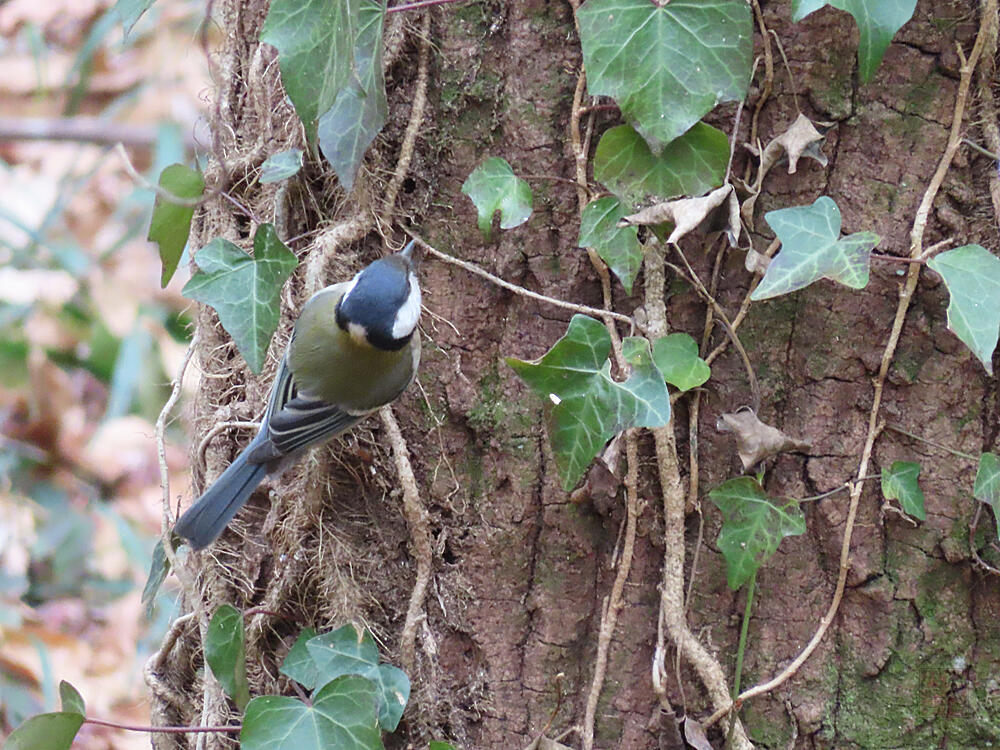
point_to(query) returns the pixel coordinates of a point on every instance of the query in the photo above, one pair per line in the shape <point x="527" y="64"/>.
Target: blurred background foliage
<point x="88" y="343"/>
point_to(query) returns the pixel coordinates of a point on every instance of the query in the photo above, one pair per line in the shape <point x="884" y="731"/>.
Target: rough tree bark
<point x="519" y="573"/>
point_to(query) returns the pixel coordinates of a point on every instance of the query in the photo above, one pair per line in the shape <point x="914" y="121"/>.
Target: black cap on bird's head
<point x="382" y="303"/>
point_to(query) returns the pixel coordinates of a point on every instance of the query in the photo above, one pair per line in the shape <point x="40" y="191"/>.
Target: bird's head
<point x="381" y="306"/>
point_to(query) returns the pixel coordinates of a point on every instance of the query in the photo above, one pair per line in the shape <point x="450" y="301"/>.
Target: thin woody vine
<point x="653" y="189"/>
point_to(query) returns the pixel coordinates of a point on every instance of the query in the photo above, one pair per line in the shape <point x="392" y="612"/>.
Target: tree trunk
<point x="520" y="573"/>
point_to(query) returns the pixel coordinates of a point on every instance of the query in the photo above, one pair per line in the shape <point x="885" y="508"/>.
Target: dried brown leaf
<point x="694" y="735"/>
<point x="716" y="212"/>
<point x="756" y="440"/>
<point x="756" y="262"/>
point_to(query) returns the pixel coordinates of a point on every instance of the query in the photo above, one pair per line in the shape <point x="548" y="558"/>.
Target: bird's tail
<point x="202" y="523"/>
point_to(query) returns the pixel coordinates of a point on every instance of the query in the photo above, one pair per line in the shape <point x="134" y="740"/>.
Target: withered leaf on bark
<point x="801" y="139"/>
<point x="756" y="440"/>
<point x="603" y="480"/>
<point x="719" y="211"/>
<point x="756" y="262"/>
<point x="694" y="735"/>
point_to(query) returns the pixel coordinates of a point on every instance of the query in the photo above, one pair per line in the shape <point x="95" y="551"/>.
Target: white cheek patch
<point x="350" y="287"/>
<point x="409" y="313"/>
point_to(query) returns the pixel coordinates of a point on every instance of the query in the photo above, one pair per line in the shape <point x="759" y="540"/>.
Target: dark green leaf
<point x="812" y="249"/>
<point x="676" y="356"/>
<point x="753" y="526"/>
<point x="972" y="275"/>
<point x="298" y="664"/>
<point x="900" y="483"/>
<point x="878" y="21"/>
<point x="315" y="41"/>
<point x="225" y="653"/>
<point x="493" y="187"/>
<point x="348" y="128"/>
<point x="159" y="566"/>
<point x="618" y="246"/>
<point x="588" y="406"/>
<point x="341" y="717"/>
<point x="987" y="486"/>
<point x="71" y="700"/>
<point x="171" y="223"/>
<point x="666" y="64"/>
<point x="244" y="291"/>
<point x="690" y="165"/>
<point x="53" y="731"/>
<point x="129" y="11"/>
<point x="350" y="651"/>
<point x="281" y="166"/>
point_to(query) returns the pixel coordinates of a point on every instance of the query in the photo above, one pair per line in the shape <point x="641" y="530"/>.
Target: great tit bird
<point x="354" y="348"/>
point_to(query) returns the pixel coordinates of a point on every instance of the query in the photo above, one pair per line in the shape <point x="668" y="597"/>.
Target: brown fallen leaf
<point x="802" y="138"/>
<point x="756" y="440"/>
<point x="756" y="262"/>
<point x="716" y="212"/>
<point x="694" y="735"/>
<point x="603" y="479"/>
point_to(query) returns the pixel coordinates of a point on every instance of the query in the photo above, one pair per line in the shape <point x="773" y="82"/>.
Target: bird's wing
<point x="293" y="421"/>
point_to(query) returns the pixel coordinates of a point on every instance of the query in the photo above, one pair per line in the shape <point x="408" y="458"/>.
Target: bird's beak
<point x="407" y="252"/>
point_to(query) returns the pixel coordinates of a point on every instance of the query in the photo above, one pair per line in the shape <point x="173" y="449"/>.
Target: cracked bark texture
<point x="520" y="572"/>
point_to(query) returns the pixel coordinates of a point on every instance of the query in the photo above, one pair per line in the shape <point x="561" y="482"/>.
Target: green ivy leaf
<point x="225" y="653"/>
<point x="589" y="407"/>
<point x="972" y="275"/>
<point x="159" y="566"/>
<point x="298" y="664"/>
<point x="171" y="224"/>
<point x="341" y="717"/>
<point x="348" y="128"/>
<point x="281" y="166"/>
<point x="676" y="356"/>
<point x="878" y="21"/>
<point x="666" y="64"/>
<point x="493" y="187"/>
<point x="315" y="40"/>
<point x="350" y="651"/>
<point x="690" y="165"/>
<point x="54" y="731"/>
<point x="618" y="246"/>
<point x="987" y="486"/>
<point x="752" y="528"/>
<point x="129" y="11"/>
<point x="438" y="745"/>
<point x="71" y="700"/>
<point x="812" y="249"/>
<point x="900" y="483"/>
<point x="244" y="291"/>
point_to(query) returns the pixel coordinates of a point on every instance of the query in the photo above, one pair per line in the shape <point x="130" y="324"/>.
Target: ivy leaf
<point x="226" y="654"/>
<point x="987" y="486"/>
<point x="812" y="249"/>
<point x="752" y="528"/>
<point x="493" y="187"/>
<point x="54" y="731"/>
<point x="244" y="291"/>
<point x="128" y="12"/>
<point x="690" y="165"/>
<point x="438" y="745"/>
<point x="315" y="41"/>
<point x="618" y="246"/>
<point x="159" y="566"/>
<point x="666" y="64"/>
<point x="348" y="128"/>
<point x="71" y="700"/>
<point x="676" y="356"/>
<point x="342" y="716"/>
<point x="298" y="664"/>
<point x="171" y="223"/>
<point x="281" y="166"/>
<point x="878" y="21"/>
<point x="719" y="211"/>
<point x="900" y="483"/>
<point x="972" y="275"/>
<point x="350" y="651"/>
<point x="757" y="440"/>
<point x="589" y="407"/>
